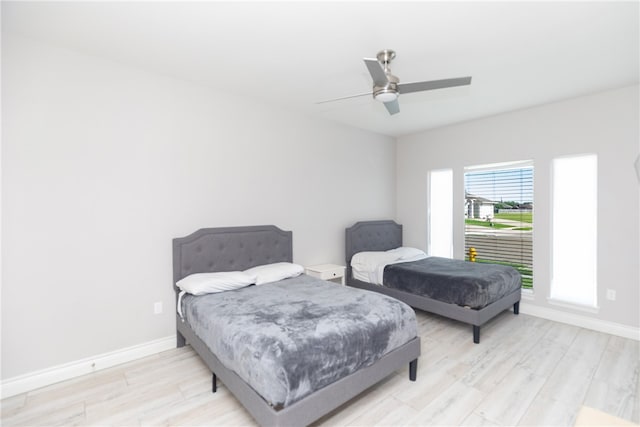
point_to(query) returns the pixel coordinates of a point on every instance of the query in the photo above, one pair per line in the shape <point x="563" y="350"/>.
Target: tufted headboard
<point x="230" y="249"/>
<point x="371" y="236"/>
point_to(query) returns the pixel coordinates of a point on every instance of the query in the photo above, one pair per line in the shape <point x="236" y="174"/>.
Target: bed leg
<point x="180" y="340"/>
<point x="516" y="308"/>
<point x="476" y="334"/>
<point x="413" y="369"/>
<point x="214" y="386"/>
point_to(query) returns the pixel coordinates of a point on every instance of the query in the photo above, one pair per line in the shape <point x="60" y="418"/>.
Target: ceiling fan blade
<point x="433" y="84"/>
<point x="376" y="71"/>
<point x="344" y="97"/>
<point x="392" y="106"/>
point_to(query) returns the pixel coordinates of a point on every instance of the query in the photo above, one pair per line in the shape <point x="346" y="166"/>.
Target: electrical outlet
<point x="157" y="307"/>
<point x="611" y="294"/>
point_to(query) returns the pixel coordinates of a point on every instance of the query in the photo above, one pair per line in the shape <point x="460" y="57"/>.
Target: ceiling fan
<point x="387" y="87"/>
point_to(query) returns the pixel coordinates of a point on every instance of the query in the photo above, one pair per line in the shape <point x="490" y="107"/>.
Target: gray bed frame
<point x="384" y="235"/>
<point x="239" y="248"/>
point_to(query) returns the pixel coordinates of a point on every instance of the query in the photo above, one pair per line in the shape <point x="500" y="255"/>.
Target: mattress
<point x="289" y="338"/>
<point x="467" y="284"/>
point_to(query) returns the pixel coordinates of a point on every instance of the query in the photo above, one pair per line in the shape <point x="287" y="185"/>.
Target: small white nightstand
<point x="331" y="272"/>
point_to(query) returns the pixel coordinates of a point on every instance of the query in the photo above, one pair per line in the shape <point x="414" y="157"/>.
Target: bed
<point x="386" y="235"/>
<point x="239" y="248"/>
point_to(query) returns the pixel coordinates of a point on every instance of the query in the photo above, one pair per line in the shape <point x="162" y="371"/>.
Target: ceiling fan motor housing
<point x="389" y="91"/>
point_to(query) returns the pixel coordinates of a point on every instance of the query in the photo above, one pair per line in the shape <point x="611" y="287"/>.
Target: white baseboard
<point x="45" y="377"/>
<point x="581" y="321"/>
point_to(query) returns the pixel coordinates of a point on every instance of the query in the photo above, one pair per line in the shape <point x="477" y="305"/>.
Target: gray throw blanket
<point x="289" y="338"/>
<point x="467" y="284"/>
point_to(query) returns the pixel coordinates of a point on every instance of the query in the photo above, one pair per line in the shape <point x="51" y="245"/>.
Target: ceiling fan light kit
<point x="387" y="87"/>
<point x="385" y="95"/>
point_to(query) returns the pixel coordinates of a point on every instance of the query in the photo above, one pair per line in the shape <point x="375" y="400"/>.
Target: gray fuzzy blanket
<point x="467" y="284"/>
<point x="289" y="338"/>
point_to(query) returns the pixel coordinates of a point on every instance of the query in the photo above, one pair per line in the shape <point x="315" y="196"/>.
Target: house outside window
<point x="478" y="207"/>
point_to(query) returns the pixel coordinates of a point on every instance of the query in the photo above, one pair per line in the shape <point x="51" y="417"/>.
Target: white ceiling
<point x="293" y="54"/>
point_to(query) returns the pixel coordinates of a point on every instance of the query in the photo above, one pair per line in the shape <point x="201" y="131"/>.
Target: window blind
<point x="499" y="216"/>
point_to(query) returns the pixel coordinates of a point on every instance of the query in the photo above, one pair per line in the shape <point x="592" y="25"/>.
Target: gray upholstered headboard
<point x="230" y="249"/>
<point x="371" y="236"/>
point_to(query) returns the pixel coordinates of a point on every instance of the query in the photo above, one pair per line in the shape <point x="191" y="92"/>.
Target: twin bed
<point x="472" y="293"/>
<point x="290" y="350"/>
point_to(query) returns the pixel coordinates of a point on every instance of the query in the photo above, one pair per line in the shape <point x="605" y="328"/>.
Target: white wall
<point x="102" y="165"/>
<point x="606" y="124"/>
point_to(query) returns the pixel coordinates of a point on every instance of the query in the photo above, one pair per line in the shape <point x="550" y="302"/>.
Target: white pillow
<point x="406" y="252"/>
<point x="369" y="261"/>
<point x="208" y="283"/>
<point x="274" y="272"/>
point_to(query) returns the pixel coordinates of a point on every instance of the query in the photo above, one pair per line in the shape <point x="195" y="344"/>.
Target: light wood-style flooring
<point x="525" y="371"/>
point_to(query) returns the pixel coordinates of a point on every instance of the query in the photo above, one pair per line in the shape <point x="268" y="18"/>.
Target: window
<point x="574" y="230"/>
<point x="499" y="215"/>
<point x="440" y="212"/>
